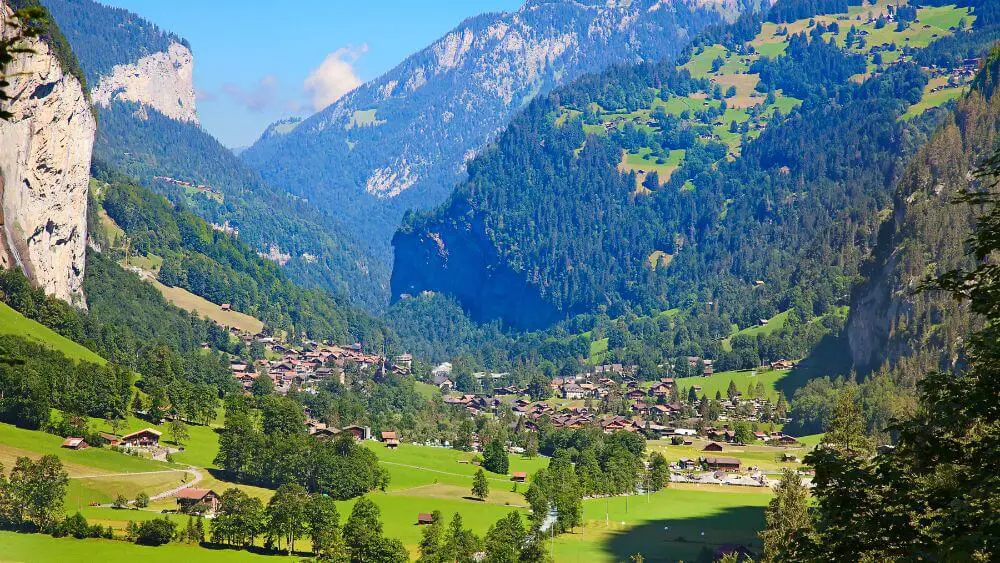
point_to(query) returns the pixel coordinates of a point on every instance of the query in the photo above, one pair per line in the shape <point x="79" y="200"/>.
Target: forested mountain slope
<point x="890" y="322"/>
<point x="750" y="180"/>
<point x="141" y="80"/>
<point x="401" y="141"/>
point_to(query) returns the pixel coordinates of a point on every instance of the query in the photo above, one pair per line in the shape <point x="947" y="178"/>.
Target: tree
<point x="430" y="540"/>
<point x="240" y="519"/>
<point x="158" y="531"/>
<point x="846" y="432"/>
<point x="323" y="525"/>
<point x="495" y="457"/>
<point x="38" y="489"/>
<point x="460" y="545"/>
<point x="505" y="539"/>
<point x="178" y="431"/>
<point x="262" y="387"/>
<point x="286" y="514"/>
<point x="732" y="392"/>
<point x="743" y="433"/>
<point x="463" y="437"/>
<point x="363" y="535"/>
<point x="120" y="501"/>
<point x="480" y="485"/>
<point x="141" y="500"/>
<point x="659" y="471"/>
<point x="787" y="520"/>
<point x="538" y="388"/>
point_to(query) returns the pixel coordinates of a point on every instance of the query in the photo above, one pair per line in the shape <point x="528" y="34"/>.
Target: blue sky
<point x="258" y="61"/>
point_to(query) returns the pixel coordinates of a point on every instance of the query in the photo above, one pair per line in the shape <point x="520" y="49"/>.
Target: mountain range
<point x="402" y="141"/>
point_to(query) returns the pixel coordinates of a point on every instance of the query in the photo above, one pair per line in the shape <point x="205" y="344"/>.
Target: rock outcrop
<point x="163" y="81"/>
<point x="45" y="152"/>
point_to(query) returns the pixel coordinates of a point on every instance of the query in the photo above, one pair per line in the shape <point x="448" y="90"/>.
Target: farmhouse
<point x="722" y="463"/>
<point x="75" y="443"/>
<point x="359" y="432"/>
<point x="142" y="439"/>
<point x="519" y="476"/>
<point x="712" y="447"/>
<point x="191" y="497"/>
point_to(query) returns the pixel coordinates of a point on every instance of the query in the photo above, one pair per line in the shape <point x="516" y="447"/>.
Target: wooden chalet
<point x="712" y="447"/>
<point x="722" y="463"/>
<point x="519" y="476"/>
<point x="144" y="438"/>
<point x="359" y="432"/>
<point x="191" y="497"/>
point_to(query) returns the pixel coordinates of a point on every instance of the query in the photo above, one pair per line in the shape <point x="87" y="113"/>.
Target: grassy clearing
<point x="933" y="99"/>
<point x="12" y="322"/>
<point x="659" y="259"/>
<point x="364" y="118"/>
<point x="617" y="528"/>
<point x="643" y="163"/>
<point x="743" y="379"/>
<point x="191" y="302"/>
<point x="199" y="450"/>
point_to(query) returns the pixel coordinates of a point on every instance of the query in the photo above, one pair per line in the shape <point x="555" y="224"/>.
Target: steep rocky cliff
<point x="890" y="320"/>
<point x="401" y="141"/>
<point x="163" y="81"/>
<point x="45" y="152"/>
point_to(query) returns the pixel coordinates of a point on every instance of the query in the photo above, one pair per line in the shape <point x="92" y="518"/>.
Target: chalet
<point x="519" y="476"/>
<point x="390" y="439"/>
<point x="712" y="447"/>
<point x="424" y="518"/>
<point x="142" y="439"/>
<point x="708" y="367"/>
<point x="762" y="436"/>
<point x="75" y="443"/>
<point x="572" y="391"/>
<point x="359" y="432"/>
<point x="722" y="463"/>
<point x="787" y="441"/>
<point x="191" y="497"/>
<point x="227" y="307"/>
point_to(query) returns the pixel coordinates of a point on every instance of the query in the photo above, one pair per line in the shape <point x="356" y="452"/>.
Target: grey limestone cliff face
<point x="45" y="152"/>
<point x="163" y="81"/>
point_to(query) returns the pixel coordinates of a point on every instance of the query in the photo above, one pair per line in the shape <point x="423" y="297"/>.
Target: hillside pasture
<point x="671" y="525"/>
<point x="743" y="380"/>
<point x="205" y="308"/>
<point x="14" y="323"/>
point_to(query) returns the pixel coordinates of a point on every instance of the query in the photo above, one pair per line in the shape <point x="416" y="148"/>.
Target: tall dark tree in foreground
<point x="788" y="520"/>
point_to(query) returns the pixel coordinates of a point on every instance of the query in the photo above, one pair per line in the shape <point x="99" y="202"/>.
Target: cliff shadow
<point x="699" y="538"/>
<point x="831" y="357"/>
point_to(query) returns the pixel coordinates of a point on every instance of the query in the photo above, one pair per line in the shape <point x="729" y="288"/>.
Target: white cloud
<point x="334" y="77"/>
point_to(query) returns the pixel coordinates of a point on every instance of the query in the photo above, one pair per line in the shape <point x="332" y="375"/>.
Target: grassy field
<point x="674" y="524"/>
<point x="30" y="548"/>
<point x="12" y="322"/>
<point x="763" y="457"/>
<point x="743" y="379"/>
<point x="934" y="99"/>
<point x="191" y="302"/>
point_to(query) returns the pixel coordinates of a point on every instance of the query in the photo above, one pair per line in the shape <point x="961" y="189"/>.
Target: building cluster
<point x="313" y="363"/>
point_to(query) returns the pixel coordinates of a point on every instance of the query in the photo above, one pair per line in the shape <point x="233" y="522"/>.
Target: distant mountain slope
<point x="401" y="141"/>
<point x="141" y="81"/>
<point x="750" y="180"/>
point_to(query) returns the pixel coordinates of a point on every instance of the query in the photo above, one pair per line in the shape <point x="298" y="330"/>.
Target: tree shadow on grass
<point x="681" y="539"/>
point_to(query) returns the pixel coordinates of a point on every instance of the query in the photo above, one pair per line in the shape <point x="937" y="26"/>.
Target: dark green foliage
<point x="495" y="457"/>
<point x="31" y="498"/>
<point x="45" y="379"/>
<point x="53" y="36"/>
<point x="220" y="268"/>
<point x="103" y="36"/>
<point x="363" y="535"/>
<point x="157" y="531"/>
<point x="281" y="453"/>
<point x="787" y="11"/>
<point x="160" y="146"/>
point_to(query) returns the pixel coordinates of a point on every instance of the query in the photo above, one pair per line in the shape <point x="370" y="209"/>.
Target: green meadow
<point x="12" y="322"/>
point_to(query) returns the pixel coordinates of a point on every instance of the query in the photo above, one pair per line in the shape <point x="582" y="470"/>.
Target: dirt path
<point x="198" y="476"/>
